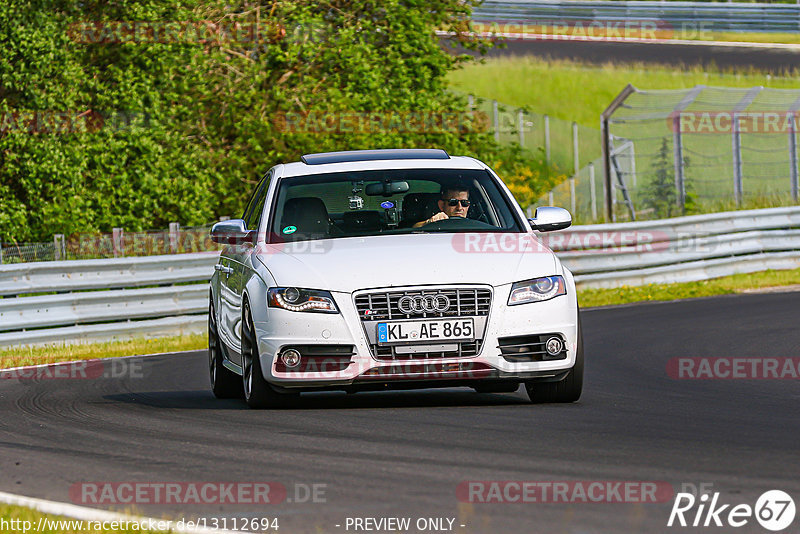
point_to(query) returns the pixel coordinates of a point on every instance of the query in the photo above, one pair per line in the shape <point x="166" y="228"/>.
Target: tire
<point x="225" y="384"/>
<point x="257" y="392"/>
<point x="566" y="390"/>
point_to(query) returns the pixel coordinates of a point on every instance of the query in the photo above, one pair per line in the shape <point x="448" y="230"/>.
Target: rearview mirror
<point x="232" y="232"/>
<point x="549" y="218"/>
<point x="387" y="188"/>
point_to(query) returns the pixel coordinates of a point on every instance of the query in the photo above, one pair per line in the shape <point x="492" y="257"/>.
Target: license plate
<point x="410" y="331"/>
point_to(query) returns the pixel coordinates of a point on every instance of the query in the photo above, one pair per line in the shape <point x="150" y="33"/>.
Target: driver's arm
<point x="438" y="217"/>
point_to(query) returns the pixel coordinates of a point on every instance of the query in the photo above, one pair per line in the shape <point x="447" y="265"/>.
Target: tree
<point x="202" y="106"/>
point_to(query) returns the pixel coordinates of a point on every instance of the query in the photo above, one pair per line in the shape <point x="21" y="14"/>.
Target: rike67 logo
<point x="774" y="510"/>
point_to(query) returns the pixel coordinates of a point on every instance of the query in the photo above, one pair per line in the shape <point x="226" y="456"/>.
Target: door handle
<point x="223" y="269"/>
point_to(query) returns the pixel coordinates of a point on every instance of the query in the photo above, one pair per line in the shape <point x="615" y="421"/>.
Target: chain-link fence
<point x="702" y="150"/>
<point x="119" y="243"/>
<point x="572" y="149"/>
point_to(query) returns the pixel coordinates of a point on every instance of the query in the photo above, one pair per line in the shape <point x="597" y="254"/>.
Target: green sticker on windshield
<point x="290" y="230"/>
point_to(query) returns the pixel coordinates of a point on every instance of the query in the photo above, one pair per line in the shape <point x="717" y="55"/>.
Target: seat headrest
<point x="308" y="214"/>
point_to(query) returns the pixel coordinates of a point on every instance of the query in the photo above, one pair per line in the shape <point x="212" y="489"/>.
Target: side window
<point x="252" y="213"/>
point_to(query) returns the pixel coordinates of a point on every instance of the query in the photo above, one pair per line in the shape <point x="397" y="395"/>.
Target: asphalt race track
<point x="775" y="60"/>
<point x="403" y="454"/>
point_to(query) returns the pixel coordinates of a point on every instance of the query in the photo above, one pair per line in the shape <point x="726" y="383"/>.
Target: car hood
<point x="350" y="264"/>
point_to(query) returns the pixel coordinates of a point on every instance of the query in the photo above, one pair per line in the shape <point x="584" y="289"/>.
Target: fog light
<point x="554" y="345"/>
<point x="290" y="358"/>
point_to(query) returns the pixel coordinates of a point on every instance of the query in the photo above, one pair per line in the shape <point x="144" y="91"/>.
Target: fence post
<point x="547" y="139"/>
<point x="59" y="247"/>
<point x="174" y="234"/>
<point x="521" y="123"/>
<point x="550" y="200"/>
<point x="677" y="149"/>
<point x="592" y="193"/>
<point x="470" y="102"/>
<point x="573" y="201"/>
<point x="737" y="160"/>
<point x="118" y="236"/>
<point x="496" y="121"/>
<point x="793" y="153"/>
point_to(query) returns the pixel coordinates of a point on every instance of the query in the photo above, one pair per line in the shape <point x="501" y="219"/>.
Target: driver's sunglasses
<point x="454" y="202"/>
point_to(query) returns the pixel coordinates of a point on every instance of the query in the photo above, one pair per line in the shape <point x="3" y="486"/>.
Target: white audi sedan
<point x="390" y="269"/>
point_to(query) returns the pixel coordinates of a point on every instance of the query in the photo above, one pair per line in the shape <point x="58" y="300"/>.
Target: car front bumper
<point x="284" y="329"/>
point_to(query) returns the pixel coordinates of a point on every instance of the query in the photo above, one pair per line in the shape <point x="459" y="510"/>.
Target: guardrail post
<point x="174" y="235"/>
<point x="792" y="118"/>
<point x="59" y="247"/>
<point x="118" y="237"/>
<point x="496" y="121"/>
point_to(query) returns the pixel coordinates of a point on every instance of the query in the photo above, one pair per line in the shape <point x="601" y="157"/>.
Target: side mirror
<point x="548" y="218"/>
<point x="232" y="232"/>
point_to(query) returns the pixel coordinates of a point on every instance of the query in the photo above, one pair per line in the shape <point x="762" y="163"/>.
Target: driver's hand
<point x="438" y="217"/>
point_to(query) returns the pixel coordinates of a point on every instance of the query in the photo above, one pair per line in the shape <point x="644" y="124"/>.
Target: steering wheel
<point x="453" y="223"/>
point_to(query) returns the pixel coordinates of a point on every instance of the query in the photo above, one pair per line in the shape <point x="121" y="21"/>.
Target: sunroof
<point x="372" y="155"/>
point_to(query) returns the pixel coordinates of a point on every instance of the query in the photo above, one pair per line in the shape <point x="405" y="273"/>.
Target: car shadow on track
<point x="204" y="400"/>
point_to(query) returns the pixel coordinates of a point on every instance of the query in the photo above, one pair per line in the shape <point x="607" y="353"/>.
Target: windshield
<point x="380" y="202"/>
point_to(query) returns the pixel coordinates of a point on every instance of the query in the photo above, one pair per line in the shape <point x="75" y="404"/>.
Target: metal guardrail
<point x="684" y="249"/>
<point x="92" y="300"/>
<point x="112" y="273"/>
<point x="686" y="16"/>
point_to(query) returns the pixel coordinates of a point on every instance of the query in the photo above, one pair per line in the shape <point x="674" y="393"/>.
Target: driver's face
<point x="454" y="211"/>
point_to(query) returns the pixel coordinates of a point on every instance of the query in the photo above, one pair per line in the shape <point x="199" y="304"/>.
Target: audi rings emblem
<point x="423" y="303"/>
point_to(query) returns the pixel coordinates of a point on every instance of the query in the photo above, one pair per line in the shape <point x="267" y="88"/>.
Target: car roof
<point x="452" y="162"/>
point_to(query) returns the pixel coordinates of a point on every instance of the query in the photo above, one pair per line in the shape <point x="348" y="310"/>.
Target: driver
<point x="454" y="202"/>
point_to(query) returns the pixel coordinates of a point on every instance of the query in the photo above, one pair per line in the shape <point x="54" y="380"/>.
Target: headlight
<point x="537" y="290"/>
<point x="301" y="300"/>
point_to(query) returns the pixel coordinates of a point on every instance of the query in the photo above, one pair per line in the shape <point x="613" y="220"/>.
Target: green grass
<point x="19" y="356"/>
<point x="726" y="285"/>
<point x="22" y="514"/>
<point x="578" y="91"/>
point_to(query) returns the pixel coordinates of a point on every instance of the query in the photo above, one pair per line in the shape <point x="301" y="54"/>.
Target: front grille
<point x="530" y="348"/>
<point x="464" y="302"/>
